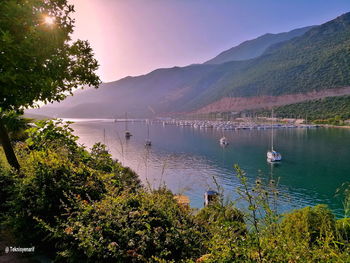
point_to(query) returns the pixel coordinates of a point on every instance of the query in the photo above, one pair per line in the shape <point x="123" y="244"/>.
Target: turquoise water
<point x="315" y="161"/>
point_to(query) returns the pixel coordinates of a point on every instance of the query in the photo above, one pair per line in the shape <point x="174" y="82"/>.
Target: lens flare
<point x="49" y="20"/>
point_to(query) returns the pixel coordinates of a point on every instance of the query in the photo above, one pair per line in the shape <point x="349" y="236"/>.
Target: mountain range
<point x="273" y="69"/>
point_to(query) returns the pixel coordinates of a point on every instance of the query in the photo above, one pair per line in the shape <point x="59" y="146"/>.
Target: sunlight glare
<point x="49" y="20"/>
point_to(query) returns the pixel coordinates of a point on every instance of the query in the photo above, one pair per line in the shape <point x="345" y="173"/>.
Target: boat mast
<point x="272" y="130"/>
<point x="104" y="136"/>
<point x="147" y="129"/>
<point x="126" y="121"/>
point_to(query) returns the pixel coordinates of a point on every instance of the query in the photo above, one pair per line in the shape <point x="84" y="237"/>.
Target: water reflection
<point x="186" y="159"/>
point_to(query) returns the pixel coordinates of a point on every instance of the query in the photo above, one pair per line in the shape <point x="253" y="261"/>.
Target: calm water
<point x="316" y="161"/>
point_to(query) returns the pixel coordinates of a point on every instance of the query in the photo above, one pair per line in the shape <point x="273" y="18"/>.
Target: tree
<point x="38" y="59"/>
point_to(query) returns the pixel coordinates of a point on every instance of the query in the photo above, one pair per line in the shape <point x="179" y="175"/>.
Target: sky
<point x="134" y="37"/>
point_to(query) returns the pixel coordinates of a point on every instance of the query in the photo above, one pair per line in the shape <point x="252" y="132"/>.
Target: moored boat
<point x="223" y="141"/>
<point x="272" y="155"/>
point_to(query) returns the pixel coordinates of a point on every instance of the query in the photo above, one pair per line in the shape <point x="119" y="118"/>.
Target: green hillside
<point x="256" y="47"/>
<point x="317" y="60"/>
<point x="331" y="110"/>
<point x="326" y="108"/>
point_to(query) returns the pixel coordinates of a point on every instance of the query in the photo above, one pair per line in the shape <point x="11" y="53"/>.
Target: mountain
<point x="310" y="66"/>
<point x="157" y="91"/>
<point x="315" y="61"/>
<point x="255" y="47"/>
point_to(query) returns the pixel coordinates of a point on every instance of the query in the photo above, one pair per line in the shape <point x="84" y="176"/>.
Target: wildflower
<point x="113" y="244"/>
<point x="68" y="230"/>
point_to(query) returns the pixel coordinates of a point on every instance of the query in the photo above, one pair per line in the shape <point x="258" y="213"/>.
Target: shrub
<point x="52" y="134"/>
<point x="41" y="187"/>
<point x="343" y="229"/>
<point x="309" y="224"/>
<point x="6" y="189"/>
<point x="129" y="228"/>
<point x="225" y="232"/>
<point x="54" y="167"/>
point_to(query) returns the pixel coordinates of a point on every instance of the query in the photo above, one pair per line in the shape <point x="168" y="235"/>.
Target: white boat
<point x="223" y="141"/>
<point x="272" y="155"/>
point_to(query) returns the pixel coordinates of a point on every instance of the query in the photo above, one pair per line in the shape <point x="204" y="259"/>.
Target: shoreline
<point x="333" y="126"/>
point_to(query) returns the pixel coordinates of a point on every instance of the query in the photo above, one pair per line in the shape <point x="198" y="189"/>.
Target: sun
<point x="49" y="20"/>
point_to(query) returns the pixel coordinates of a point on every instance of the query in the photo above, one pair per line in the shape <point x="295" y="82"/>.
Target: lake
<point x="315" y="161"/>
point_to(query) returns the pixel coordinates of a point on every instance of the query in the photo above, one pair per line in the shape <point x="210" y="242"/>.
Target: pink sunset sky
<point x="134" y="37"/>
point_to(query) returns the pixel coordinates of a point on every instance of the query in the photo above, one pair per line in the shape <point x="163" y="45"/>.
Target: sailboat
<point x="148" y="141"/>
<point x="223" y="141"/>
<point x="127" y="133"/>
<point x="272" y="155"/>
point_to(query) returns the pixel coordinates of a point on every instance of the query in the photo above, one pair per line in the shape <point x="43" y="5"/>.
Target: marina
<point x="245" y="124"/>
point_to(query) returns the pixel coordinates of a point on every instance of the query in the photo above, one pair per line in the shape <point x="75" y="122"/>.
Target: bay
<point x="315" y="161"/>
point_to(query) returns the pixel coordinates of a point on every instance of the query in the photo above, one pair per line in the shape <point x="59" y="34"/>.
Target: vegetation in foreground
<point x="80" y="206"/>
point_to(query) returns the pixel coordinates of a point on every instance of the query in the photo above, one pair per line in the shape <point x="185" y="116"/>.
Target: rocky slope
<point x="248" y="103"/>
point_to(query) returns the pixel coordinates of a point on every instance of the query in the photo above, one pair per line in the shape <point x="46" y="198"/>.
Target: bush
<point x="41" y="187"/>
<point x="89" y="207"/>
<point x="128" y="228"/>
<point x="225" y="232"/>
<point x="343" y="229"/>
<point x="6" y="190"/>
<point x="52" y="134"/>
<point x="54" y="168"/>
<point x="309" y="224"/>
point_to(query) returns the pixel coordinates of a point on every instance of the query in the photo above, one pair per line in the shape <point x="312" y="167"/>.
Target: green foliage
<point x="84" y="203"/>
<point x="129" y="228"/>
<point x="304" y="235"/>
<point x="6" y="189"/>
<point x="52" y="133"/>
<point x="310" y="224"/>
<point x="46" y="178"/>
<point x="331" y="110"/>
<point x="343" y="229"/>
<point x="317" y="60"/>
<point x="39" y="58"/>
<point x="15" y="125"/>
<point x="84" y="207"/>
<point x="55" y="167"/>
<point x="225" y="229"/>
